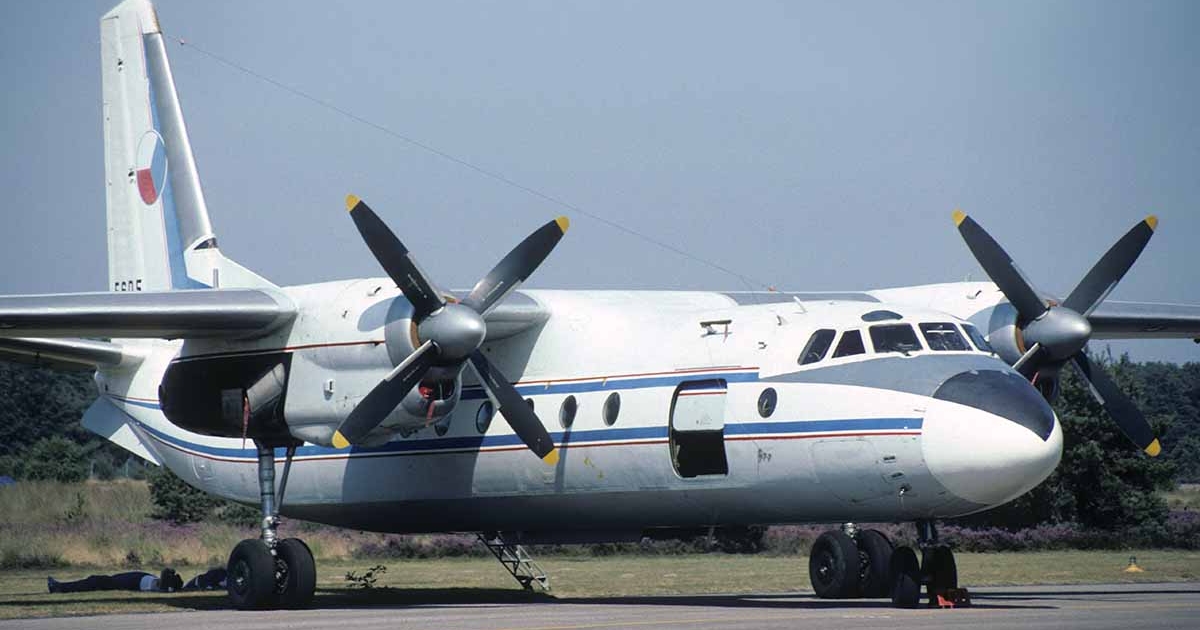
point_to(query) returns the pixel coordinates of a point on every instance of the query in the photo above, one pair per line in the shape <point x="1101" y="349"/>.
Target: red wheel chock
<point x="953" y="597"/>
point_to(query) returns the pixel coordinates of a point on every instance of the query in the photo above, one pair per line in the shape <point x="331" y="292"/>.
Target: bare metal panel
<point x="1145" y="320"/>
<point x="515" y="314"/>
<point x="751" y="298"/>
<point x="226" y="313"/>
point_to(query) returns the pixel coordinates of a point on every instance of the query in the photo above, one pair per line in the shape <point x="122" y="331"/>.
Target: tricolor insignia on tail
<point x="151" y="167"/>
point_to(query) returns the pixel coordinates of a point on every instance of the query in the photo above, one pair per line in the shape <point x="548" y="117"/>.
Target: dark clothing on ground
<point x="131" y="581"/>
<point x="207" y="581"/>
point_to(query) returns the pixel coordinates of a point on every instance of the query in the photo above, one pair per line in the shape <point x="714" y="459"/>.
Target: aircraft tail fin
<point x="159" y="234"/>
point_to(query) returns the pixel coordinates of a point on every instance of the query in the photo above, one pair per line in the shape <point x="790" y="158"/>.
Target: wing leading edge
<point x="1145" y="320"/>
<point x="209" y="313"/>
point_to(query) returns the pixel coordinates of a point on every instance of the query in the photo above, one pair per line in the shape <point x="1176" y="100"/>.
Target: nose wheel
<point x="937" y="570"/>
<point x="267" y="572"/>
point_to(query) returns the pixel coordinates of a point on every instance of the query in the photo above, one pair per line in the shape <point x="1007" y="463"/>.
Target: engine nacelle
<point x="1004" y="335"/>
<point x="427" y="404"/>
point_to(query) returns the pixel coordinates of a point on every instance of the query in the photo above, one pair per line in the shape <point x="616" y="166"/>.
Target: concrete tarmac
<point x="1087" y="607"/>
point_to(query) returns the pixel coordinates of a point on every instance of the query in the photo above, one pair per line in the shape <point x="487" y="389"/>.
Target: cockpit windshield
<point x="976" y="338"/>
<point x="817" y="346"/>
<point x="895" y="338"/>
<point x="942" y="336"/>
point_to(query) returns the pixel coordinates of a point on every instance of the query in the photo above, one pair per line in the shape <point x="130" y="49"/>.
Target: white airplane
<point x="644" y="410"/>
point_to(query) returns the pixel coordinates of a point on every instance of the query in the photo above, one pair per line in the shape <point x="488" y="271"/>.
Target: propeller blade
<point x="1000" y="267"/>
<point x="1128" y="417"/>
<point x="516" y="266"/>
<point x="395" y="259"/>
<point x="519" y="415"/>
<point x="381" y="400"/>
<point x="1111" y="267"/>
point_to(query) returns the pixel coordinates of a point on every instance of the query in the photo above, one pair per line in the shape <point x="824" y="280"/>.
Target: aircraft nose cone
<point x="983" y="457"/>
<point x="1003" y="393"/>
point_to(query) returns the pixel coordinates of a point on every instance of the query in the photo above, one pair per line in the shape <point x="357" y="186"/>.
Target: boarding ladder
<point x="517" y="561"/>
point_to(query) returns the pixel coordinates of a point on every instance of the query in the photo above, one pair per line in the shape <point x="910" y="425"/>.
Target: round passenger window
<point x="483" y="417"/>
<point x="529" y="401"/>
<point x="766" y="402"/>
<point x="612" y="408"/>
<point x="566" y="413"/>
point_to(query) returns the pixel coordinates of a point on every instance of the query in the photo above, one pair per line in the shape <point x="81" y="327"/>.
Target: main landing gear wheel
<point x="833" y="566"/>
<point x="296" y="573"/>
<point x="941" y="572"/>
<point x="874" y="554"/>
<point x="905" y="578"/>
<point x="268" y="572"/>
<point x="251" y="575"/>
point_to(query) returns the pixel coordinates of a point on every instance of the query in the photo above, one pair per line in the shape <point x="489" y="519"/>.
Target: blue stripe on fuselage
<point x="476" y="392"/>
<point x="593" y="437"/>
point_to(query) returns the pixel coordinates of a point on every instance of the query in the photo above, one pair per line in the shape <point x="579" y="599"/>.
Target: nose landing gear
<point x="937" y="570"/>
<point x="268" y="572"/>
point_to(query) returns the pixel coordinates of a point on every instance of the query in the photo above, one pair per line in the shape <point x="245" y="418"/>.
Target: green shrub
<point x="175" y="501"/>
<point x="55" y="459"/>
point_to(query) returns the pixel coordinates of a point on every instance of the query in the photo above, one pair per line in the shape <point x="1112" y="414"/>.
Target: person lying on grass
<point x="167" y="581"/>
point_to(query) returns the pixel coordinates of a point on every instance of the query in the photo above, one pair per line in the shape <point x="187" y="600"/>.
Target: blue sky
<point x="806" y="146"/>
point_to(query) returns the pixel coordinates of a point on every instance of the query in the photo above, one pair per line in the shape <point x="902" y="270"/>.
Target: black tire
<point x="940" y="570"/>
<point x="251" y="575"/>
<point x="875" y="561"/>
<point x="833" y="566"/>
<point x="906" y="578"/>
<point x="297" y="581"/>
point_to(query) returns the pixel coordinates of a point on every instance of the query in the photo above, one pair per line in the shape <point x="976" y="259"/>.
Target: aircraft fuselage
<point x="670" y="409"/>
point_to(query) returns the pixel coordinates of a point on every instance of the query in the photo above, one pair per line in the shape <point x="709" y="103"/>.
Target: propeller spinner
<point x="450" y="333"/>
<point x="1056" y="334"/>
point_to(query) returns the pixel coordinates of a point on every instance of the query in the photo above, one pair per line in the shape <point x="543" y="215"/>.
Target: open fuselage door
<point x="697" y="431"/>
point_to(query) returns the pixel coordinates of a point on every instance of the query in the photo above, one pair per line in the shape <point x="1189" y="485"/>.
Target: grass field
<point x="475" y="580"/>
<point x="73" y="530"/>
<point x="1185" y="497"/>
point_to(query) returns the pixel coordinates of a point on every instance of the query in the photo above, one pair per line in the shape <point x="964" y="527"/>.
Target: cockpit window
<point x="895" y="338"/>
<point x="977" y="338"/>
<point x="817" y="346"/>
<point x="943" y="336"/>
<point x="850" y="344"/>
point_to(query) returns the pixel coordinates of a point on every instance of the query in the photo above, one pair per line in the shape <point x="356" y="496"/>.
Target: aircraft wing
<point x="207" y="313"/>
<point x="1145" y="320"/>
<point x="64" y="354"/>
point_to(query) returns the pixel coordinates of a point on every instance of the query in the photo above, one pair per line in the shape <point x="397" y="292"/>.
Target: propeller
<point x="450" y="332"/>
<point x="1055" y="334"/>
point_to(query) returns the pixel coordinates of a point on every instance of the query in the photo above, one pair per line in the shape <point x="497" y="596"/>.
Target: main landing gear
<point x="852" y="563"/>
<point x="267" y="572"/>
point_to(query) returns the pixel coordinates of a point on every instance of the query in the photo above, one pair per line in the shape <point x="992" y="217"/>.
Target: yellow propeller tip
<point x="1154" y="449"/>
<point x="351" y="201"/>
<point x="959" y="217"/>
<point x="1152" y="221"/>
<point x="339" y="440"/>
<point x="551" y="458"/>
<point x="563" y="223"/>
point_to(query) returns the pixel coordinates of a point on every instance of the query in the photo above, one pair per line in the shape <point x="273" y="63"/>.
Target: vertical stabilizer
<point x="159" y="234"/>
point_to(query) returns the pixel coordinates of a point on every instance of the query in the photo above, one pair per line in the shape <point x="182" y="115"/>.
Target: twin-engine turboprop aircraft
<point x="907" y="404"/>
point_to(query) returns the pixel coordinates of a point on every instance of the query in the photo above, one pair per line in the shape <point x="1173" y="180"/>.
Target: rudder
<point x="159" y="234"/>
